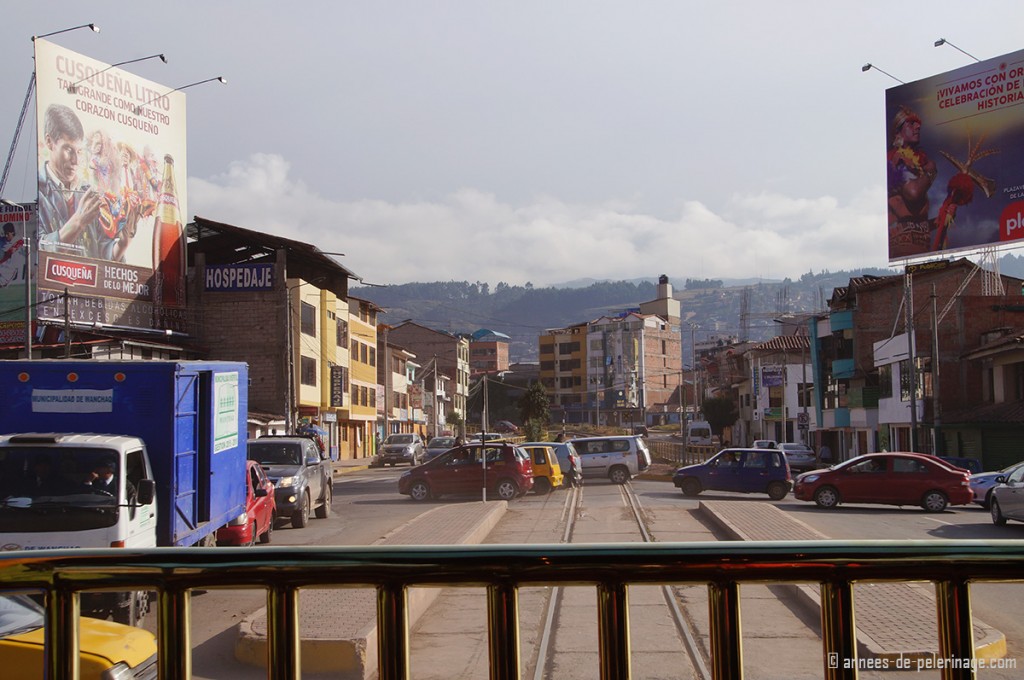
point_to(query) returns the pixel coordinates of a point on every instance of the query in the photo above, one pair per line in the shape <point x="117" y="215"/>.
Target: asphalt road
<point x="449" y="642"/>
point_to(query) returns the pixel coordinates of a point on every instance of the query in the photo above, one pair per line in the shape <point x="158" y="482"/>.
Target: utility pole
<point x="908" y="296"/>
<point x="938" y="445"/>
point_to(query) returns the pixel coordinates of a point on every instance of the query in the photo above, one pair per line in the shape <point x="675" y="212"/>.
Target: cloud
<point x="474" y="235"/>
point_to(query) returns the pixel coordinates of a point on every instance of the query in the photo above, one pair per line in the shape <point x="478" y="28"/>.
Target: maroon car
<point x="260" y="511"/>
<point x="508" y="473"/>
<point x="888" y="478"/>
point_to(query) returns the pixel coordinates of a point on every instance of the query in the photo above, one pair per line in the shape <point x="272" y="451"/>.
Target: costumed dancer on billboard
<point x="910" y="176"/>
<point x="76" y="217"/>
<point x="911" y="173"/>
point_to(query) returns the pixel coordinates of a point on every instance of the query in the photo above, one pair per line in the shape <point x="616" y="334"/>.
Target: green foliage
<point x="534" y="405"/>
<point x="720" y="413"/>
<point x="456" y="423"/>
<point x="535" y="430"/>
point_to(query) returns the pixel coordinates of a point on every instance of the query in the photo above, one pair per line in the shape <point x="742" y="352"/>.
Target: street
<point x="450" y="640"/>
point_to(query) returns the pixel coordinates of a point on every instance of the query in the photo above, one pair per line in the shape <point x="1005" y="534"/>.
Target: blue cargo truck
<point x="131" y="454"/>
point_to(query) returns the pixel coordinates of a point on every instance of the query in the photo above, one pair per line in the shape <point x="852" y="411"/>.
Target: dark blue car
<point x="742" y="470"/>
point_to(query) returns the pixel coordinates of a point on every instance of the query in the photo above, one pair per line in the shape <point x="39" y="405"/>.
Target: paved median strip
<point x="894" y="620"/>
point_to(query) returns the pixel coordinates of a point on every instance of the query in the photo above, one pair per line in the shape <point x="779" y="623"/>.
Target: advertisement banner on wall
<point x="955" y="179"/>
<point x="111" y="194"/>
<point x="17" y="228"/>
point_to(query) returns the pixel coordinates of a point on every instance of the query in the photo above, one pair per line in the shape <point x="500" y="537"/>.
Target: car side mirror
<point x="259" y="492"/>
<point x="1001" y="479"/>
<point x="146" y="492"/>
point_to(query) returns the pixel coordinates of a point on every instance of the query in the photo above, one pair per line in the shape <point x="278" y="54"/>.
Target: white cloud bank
<point x="473" y="235"/>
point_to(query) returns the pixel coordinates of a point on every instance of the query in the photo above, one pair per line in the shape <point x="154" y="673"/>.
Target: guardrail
<point x="502" y="570"/>
<point x="679" y="453"/>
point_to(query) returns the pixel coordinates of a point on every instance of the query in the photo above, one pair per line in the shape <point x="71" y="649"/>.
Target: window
<point x="885" y="381"/>
<point x="308" y="319"/>
<point x="308" y="371"/>
<point x="342" y="333"/>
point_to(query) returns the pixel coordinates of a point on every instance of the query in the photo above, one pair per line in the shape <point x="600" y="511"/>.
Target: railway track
<point x="551" y="622"/>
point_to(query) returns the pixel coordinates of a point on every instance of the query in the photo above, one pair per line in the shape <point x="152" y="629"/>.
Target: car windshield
<point x="399" y="439"/>
<point x="441" y="443"/>
<point x="19" y="614"/>
<point x="276" y="453"/>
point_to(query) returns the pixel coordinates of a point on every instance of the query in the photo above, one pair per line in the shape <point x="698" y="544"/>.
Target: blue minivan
<point x="742" y="470"/>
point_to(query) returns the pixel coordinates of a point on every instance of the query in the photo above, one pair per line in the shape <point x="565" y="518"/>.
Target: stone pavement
<point x="893" y="619"/>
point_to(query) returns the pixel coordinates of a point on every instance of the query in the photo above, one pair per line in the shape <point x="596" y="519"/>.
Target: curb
<point x="354" y="656"/>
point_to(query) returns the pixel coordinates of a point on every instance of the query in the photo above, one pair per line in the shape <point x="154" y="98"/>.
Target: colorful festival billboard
<point x="111" y="194"/>
<point x="955" y="171"/>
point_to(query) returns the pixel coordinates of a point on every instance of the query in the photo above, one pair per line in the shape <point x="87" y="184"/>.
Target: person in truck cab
<point x="102" y="477"/>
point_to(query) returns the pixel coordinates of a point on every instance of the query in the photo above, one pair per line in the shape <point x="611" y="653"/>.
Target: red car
<point x="888" y="478"/>
<point x="260" y="511"/>
<point x="460" y="471"/>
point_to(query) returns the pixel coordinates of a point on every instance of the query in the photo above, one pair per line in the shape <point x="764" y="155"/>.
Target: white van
<point x="619" y="458"/>
<point x="698" y="433"/>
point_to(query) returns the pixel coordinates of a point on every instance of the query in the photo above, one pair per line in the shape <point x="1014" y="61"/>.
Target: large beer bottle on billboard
<point x="169" y="244"/>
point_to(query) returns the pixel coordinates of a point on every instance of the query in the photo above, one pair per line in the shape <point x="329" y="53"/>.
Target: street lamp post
<point x="27" y="240"/>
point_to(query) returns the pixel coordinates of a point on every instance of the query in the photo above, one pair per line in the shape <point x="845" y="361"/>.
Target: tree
<point x="534" y="411"/>
<point x="720" y="413"/>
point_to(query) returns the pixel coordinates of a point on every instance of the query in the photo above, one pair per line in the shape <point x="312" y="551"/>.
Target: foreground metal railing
<point x="502" y="570"/>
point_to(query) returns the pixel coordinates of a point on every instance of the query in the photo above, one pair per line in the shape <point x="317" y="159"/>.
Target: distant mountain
<point x="525" y="312"/>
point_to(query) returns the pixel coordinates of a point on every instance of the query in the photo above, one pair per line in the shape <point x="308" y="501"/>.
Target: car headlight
<point x="119" y="671"/>
<point x="808" y="478"/>
<point x="286" y="481"/>
<point x="239" y="521"/>
<point x="406" y="474"/>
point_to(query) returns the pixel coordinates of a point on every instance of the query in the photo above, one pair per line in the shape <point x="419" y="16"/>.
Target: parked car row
<point x="299" y="473"/>
<point x="509" y="470"/>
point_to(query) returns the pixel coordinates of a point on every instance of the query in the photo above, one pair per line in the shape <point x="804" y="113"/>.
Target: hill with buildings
<point x="723" y="308"/>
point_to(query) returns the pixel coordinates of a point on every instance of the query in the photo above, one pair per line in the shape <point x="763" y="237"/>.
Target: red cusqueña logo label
<point x="71" y="273"/>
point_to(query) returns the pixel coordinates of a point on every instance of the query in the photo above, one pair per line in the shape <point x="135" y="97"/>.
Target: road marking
<point x="932" y="519"/>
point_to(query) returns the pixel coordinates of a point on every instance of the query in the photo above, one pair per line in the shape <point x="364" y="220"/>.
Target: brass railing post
<point x="956" y="631"/>
<point x="503" y="630"/>
<point x="62" y="634"/>
<point x="283" y="643"/>
<point x="174" y="631"/>
<point x="838" y="630"/>
<point x="613" y="630"/>
<point x="726" y="631"/>
<point x="393" y="631"/>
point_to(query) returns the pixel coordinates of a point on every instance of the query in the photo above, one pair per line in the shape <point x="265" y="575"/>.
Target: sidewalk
<point x="893" y="619"/>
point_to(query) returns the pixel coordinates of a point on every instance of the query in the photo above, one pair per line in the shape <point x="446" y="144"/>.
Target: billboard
<point x="954" y="172"/>
<point x="17" y="226"/>
<point x="111" y="194"/>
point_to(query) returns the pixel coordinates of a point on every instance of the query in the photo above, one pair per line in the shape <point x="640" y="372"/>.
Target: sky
<point x="531" y="141"/>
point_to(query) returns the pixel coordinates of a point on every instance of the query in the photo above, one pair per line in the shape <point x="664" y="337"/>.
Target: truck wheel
<point x="324" y="509"/>
<point x="265" y="536"/>
<point x="135" y="611"/>
<point x="300" y="518"/>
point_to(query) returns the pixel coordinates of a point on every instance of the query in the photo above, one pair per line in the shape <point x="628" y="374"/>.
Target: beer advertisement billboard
<point x="111" y="194"/>
<point x="955" y="178"/>
<point x="17" y="226"/>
